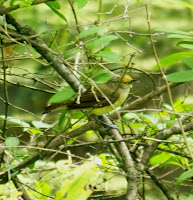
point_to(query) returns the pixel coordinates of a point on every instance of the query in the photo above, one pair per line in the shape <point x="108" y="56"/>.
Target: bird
<point x="101" y="99"/>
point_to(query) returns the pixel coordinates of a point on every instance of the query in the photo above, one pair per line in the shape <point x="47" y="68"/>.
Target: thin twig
<point x="129" y="167"/>
<point x="20" y="188"/>
<point x="160" y="185"/>
<point x="166" y="81"/>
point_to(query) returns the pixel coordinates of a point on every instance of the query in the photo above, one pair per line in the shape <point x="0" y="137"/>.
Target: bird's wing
<point x="90" y="99"/>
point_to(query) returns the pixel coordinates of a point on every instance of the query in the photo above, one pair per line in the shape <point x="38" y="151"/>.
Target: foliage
<point x="63" y="47"/>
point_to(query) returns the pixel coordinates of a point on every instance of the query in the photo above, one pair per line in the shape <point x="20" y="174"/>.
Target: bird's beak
<point x="133" y="80"/>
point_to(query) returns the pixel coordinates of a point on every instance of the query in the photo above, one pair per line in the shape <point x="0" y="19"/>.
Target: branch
<point x="128" y="163"/>
<point x="59" y="140"/>
<point x="163" y="135"/>
<point x="159" y="185"/>
<point x="38" y="44"/>
<point x="54" y="143"/>
<point x="20" y="188"/>
<point x="149" y="97"/>
<point x="4" y="10"/>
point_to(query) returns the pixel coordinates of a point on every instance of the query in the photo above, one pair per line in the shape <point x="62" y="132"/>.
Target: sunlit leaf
<point x="169" y="30"/>
<point x="17" y="121"/>
<point x="172" y="59"/>
<point x="34" y="131"/>
<point x="9" y="166"/>
<point x="188" y="107"/>
<point x="76" y="187"/>
<point x="81" y="3"/>
<point x="39" y="163"/>
<point x="43" y="187"/>
<point x="72" y="53"/>
<point x="188" y="61"/>
<point x="107" y="54"/>
<point x="53" y="8"/>
<point x="102" y="76"/>
<point x="53" y="4"/>
<point x="179" y="36"/>
<point x="172" y="161"/>
<point x="152" y="118"/>
<point x="108" y="161"/>
<point x="12" y="3"/>
<point x="185" y="44"/>
<point x="138" y="126"/>
<point x="100" y="41"/>
<point x="184" y="176"/>
<point x="183" y="76"/>
<point x="39" y="124"/>
<point x="63" y="95"/>
<point x="160" y="158"/>
<point x="130" y="116"/>
<point x="91" y="30"/>
<point x="12" y="141"/>
<point x="61" y="119"/>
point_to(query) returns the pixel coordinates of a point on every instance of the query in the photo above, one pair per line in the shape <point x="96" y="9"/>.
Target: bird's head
<point x="125" y="81"/>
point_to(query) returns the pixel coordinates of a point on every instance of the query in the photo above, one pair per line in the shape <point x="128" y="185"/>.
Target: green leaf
<point x="168" y="30"/>
<point x="183" y="76"/>
<point x="171" y="161"/>
<point x="53" y="4"/>
<point x="15" y="173"/>
<point x="100" y="41"/>
<point x="172" y="59"/>
<point x="9" y="166"/>
<point x="39" y="164"/>
<point x="12" y="141"/>
<point x="152" y="118"/>
<point x="43" y="187"/>
<point x="34" y="131"/>
<point x="81" y="3"/>
<point x="139" y="127"/>
<point x="77" y="115"/>
<point x="21" y="3"/>
<point x="188" y="107"/>
<point x="72" y="53"/>
<point x="181" y="3"/>
<point x="184" y="176"/>
<point x="62" y="96"/>
<point x="91" y="30"/>
<point x="56" y="12"/>
<point x="108" y="161"/>
<point x="102" y="76"/>
<point x="76" y="187"/>
<point x="131" y="116"/>
<point x="17" y="121"/>
<point x="160" y="158"/>
<point x="39" y="124"/>
<point x="61" y="119"/>
<point x="179" y="36"/>
<point x="185" y="44"/>
<point x="188" y="61"/>
<point x="12" y="3"/>
<point x="107" y="54"/>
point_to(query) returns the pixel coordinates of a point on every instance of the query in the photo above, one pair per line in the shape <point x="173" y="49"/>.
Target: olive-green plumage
<point x="99" y="101"/>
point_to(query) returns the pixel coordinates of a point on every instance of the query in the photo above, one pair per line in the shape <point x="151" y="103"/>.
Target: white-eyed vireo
<point x="99" y="101"/>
